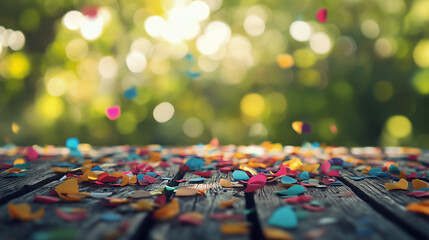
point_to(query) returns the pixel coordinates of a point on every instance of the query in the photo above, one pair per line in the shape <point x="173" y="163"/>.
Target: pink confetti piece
<point x="181" y="180"/>
<point x="281" y="172"/>
<point x="189" y="219"/>
<point x="72" y="216"/>
<point x="113" y="112"/>
<point x="150" y="179"/>
<point x="225" y="169"/>
<point x="143" y="182"/>
<point x="322" y="15"/>
<point x="224" y="216"/>
<point x="299" y="199"/>
<point x="253" y="187"/>
<point x="418" y="194"/>
<point x="32" y="154"/>
<point x="203" y="174"/>
<point x="325" y="167"/>
<point x="161" y="200"/>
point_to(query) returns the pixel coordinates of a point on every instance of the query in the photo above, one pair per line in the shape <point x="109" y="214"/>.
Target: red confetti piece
<point x="322" y="15"/>
<point x="225" y="169"/>
<point x="203" y="174"/>
<point x="418" y="194"/>
<point x="161" y="200"/>
<point x="32" y="154"/>
<point x="313" y="208"/>
<point x="45" y="199"/>
<point x="223" y="216"/>
<point x="150" y="179"/>
<point x="281" y="172"/>
<point x="105" y="178"/>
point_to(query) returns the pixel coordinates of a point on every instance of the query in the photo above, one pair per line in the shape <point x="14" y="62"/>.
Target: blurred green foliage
<point x="365" y="71"/>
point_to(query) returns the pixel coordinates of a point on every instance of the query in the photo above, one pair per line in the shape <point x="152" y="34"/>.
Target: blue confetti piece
<point x="72" y="143"/>
<point x="190" y="58"/>
<point x="304" y="175"/>
<point x="200" y="179"/>
<point x="15" y="175"/>
<point x="240" y="175"/>
<point x="133" y="157"/>
<point x="336" y="184"/>
<point x="75" y="153"/>
<point x="373" y="171"/>
<point x="130" y="93"/>
<point x="195" y="163"/>
<point x="152" y="174"/>
<point x="383" y="174"/>
<point x="292" y="191"/>
<point x="140" y="177"/>
<point x="65" y="164"/>
<point x="111" y="217"/>
<point x="22" y="166"/>
<point x="357" y="178"/>
<point x="284" y="217"/>
<point x="97" y="168"/>
<point x="192" y="74"/>
<point x="288" y="180"/>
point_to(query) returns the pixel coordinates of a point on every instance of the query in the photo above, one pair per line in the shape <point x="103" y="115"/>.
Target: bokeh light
<point x="163" y="112"/>
<point x="399" y="126"/>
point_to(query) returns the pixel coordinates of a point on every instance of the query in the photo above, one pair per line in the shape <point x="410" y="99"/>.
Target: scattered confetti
<point x="301" y="127"/>
<point x="71" y="214"/>
<point x="131" y="93"/>
<point x="240" y="175"/>
<point x="193" y="218"/>
<point x="234" y="228"/>
<point x="186" y="192"/>
<point x="419" y="184"/>
<point x="15" y="128"/>
<point x="228" y="204"/>
<point x="140" y="194"/>
<point x="271" y="233"/>
<point x="110" y="217"/>
<point x="167" y="212"/>
<point x="45" y="199"/>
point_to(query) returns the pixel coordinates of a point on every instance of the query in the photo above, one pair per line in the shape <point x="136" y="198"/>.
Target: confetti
<point x="293" y="191"/>
<point x="225" y="183"/>
<point x="193" y="218"/>
<point x="288" y="180"/>
<point x="140" y="194"/>
<point x="299" y="199"/>
<point x="72" y="143"/>
<point x="45" y="199"/>
<point x="169" y="211"/>
<point x="113" y="112"/>
<point x="15" y="128"/>
<point x="142" y="205"/>
<point x="68" y="190"/>
<point x="284" y="217"/>
<point x="419" y="184"/>
<point x="131" y="93"/>
<point x="110" y="217"/>
<point x="186" y="192"/>
<point x="322" y="15"/>
<point x="22" y="212"/>
<point x="100" y="195"/>
<point x="281" y="172"/>
<point x="32" y="154"/>
<point x="240" y="175"/>
<point x="402" y="184"/>
<point x="285" y="61"/>
<point x="228" y="204"/>
<point x="71" y="214"/>
<point x="271" y="233"/>
<point x="418" y="194"/>
<point x="234" y="228"/>
<point x="301" y="127"/>
<point x="419" y="207"/>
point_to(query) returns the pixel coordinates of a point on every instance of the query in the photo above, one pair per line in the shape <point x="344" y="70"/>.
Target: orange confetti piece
<point x="186" y="192"/>
<point x="19" y="161"/>
<point x="228" y="204"/>
<point x="271" y="233"/>
<point x="419" y="207"/>
<point x="61" y="169"/>
<point x="402" y="184"/>
<point x="225" y="183"/>
<point x="167" y="212"/>
<point x="417" y="184"/>
<point x="234" y="228"/>
<point x="297" y="126"/>
<point x="403" y="175"/>
<point x="142" y="205"/>
<point x="285" y="60"/>
<point x="23" y="212"/>
<point x="15" y="128"/>
<point x="125" y="180"/>
<point x="69" y="190"/>
<point x="133" y="180"/>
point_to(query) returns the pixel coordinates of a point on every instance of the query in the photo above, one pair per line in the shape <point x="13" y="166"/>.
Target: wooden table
<point x="354" y="210"/>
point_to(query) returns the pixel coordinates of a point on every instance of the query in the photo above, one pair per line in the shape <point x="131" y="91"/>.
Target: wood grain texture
<point x="207" y="205"/>
<point x="347" y="211"/>
<point x="390" y="203"/>
<point x="90" y="228"/>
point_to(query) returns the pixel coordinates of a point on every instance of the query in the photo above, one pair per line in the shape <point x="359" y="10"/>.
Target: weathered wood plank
<point x="391" y="203"/>
<point x="347" y="212"/>
<point x="205" y="205"/>
<point x="90" y="228"/>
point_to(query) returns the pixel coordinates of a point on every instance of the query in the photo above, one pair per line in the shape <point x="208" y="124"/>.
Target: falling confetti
<point x="285" y="60"/>
<point x="301" y="127"/>
<point x="131" y="93"/>
<point x="113" y="112"/>
<point x="321" y="15"/>
<point x="15" y="128"/>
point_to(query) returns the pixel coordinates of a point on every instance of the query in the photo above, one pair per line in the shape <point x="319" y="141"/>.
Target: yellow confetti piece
<point x="19" y="161"/>
<point x="142" y="205"/>
<point x="419" y="207"/>
<point x="403" y="175"/>
<point x="236" y="228"/>
<point x="23" y="212"/>
<point x="167" y="212"/>
<point x="285" y="60"/>
<point x="311" y="168"/>
<point x="402" y="184"/>
<point x="15" y="128"/>
<point x="228" y="204"/>
<point x="297" y="126"/>
<point x="186" y="192"/>
<point x="125" y="180"/>
<point x="61" y="169"/>
<point x="225" y="183"/>
<point x="271" y="233"/>
<point x="133" y="180"/>
<point x="294" y="164"/>
<point x="418" y="184"/>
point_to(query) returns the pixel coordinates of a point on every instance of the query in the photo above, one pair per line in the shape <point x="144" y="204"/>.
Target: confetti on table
<point x="71" y="214"/>
<point x="110" y="217"/>
<point x="322" y="15"/>
<point x="193" y="218"/>
<point x="167" y="212"/>
<point x="298" y="199"/>
<point x="418" y="194"/>
<point x="69" y="190"/>
<point x="288" y="180"/>
<point x="240" y="175"/>
<point x="186" y="192"/>
<point x="402" y="184"/>
<point x="22" y="212"/>
<point x="100" y="195"/>
<point x="113" y="112"/>
<point x="140" y="194"/>
<point x="419" y="207"/>
<point x="142" y="205"/>
<point x="32" y="154"/>
<point x="234" y="228"/>
<point x="419" y="184"/>
<point x="228" y="204"/>
<point x="225" y="183"/>
<point x="284" y="217"/>
<point x="45" y="199"/>
<point x="271" y="233"/>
